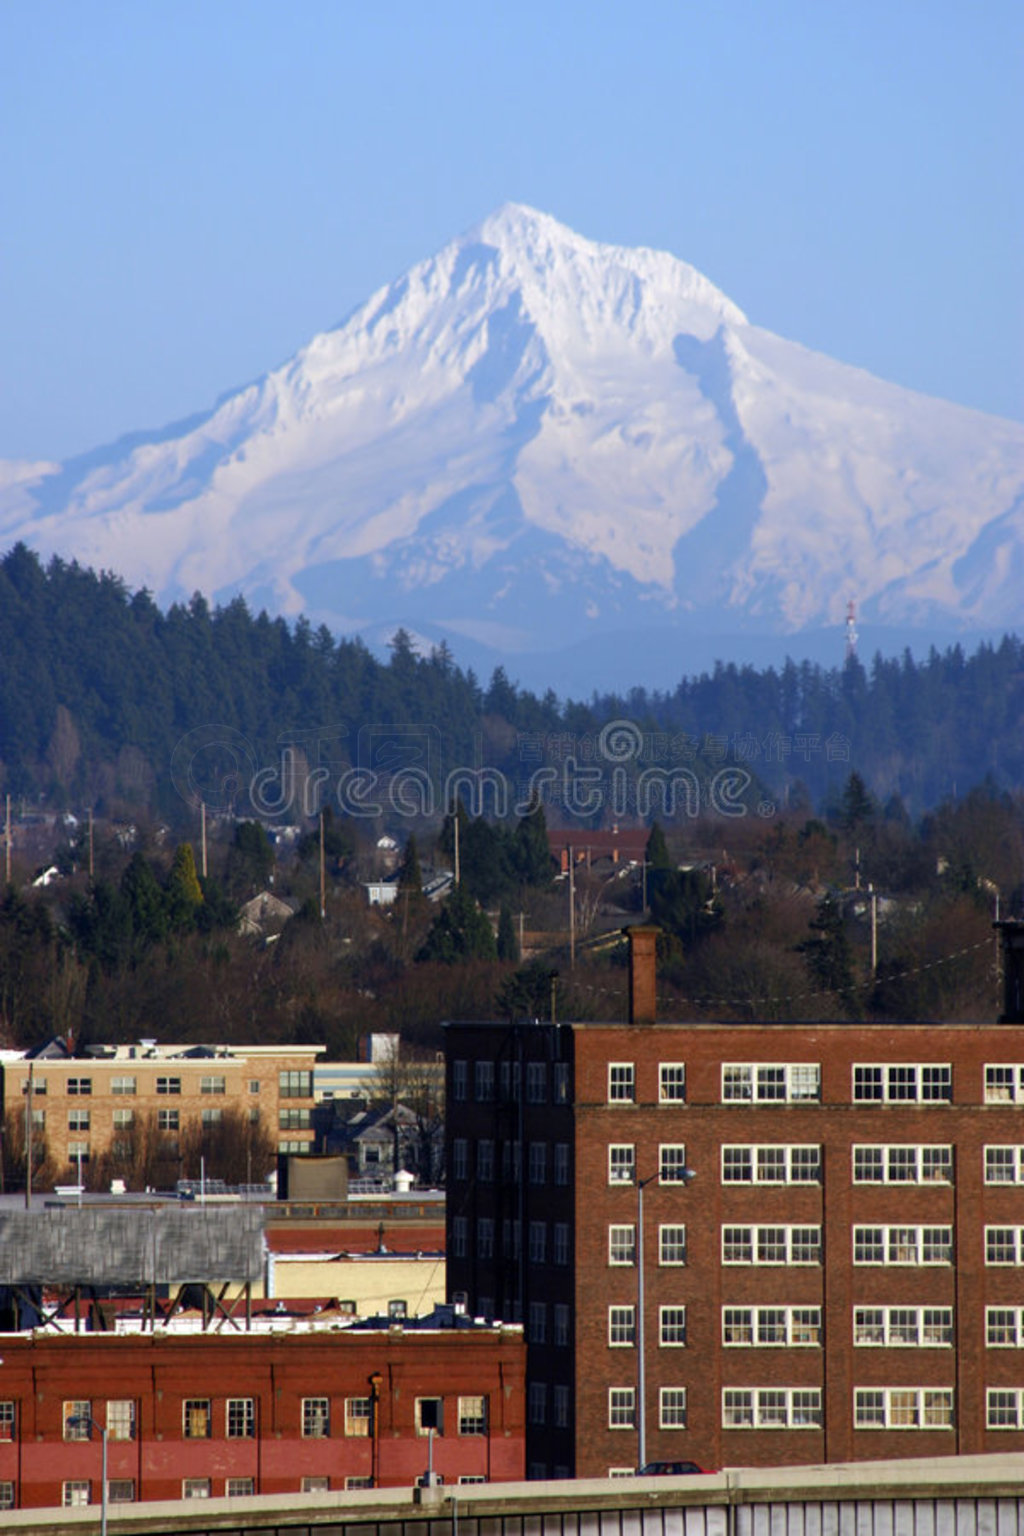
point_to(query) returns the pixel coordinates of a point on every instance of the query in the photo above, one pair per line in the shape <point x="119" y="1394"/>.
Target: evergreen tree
<point x="459" y="932"/>
<point x="410" y="880"/>
<point x="508" y="943"/>
<point x="184" y="893"/>
<point x="531" y="850"/>
<point x="828" y="953"/>
<point x="656" y="853"/>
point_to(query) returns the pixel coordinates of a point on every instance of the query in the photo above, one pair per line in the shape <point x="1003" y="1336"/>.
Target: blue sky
<point x="190" y="189"/>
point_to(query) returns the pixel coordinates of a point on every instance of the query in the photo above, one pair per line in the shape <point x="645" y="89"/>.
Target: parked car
<point x="670" y="1469"/>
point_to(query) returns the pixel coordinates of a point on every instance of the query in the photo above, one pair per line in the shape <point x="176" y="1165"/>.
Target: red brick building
<point x="843" y="1279"/>
<point x="204" y="1415"/>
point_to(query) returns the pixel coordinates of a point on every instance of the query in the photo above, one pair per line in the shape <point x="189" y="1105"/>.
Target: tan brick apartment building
<point x="842" y="1279"/>
<point x="84" y="1104"/>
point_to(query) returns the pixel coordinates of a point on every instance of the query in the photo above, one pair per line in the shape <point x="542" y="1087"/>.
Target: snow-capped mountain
<point x="532" y="439"/>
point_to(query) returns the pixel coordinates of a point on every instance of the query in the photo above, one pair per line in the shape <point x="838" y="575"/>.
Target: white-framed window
<point x="771" y="1408"/>
<point x="213" y="1082"/>
<point x="121" y="1490"/>
<point x="195" y="1488"/>
<point x="483" y="1082"/>
<point x="538" y="1162"/>
<point x="511" y="1161"/>
<point x="537" y="1402"/>
<point x="78" y="1119"/>
<point x="903" y="1083"/>
<point x="75" y="1492"/>
<point x="771" y="1327"/>
<point x="1004" y="1327"/>
<point x="672" y="1163"/>
<point x="240" y="1487"/>
<point x="672" y="1408"/>
<point x="538" y="1242"/>
<point x="215" y="1116"/>
<point x="511" y="1081"/>
<point x="800" y="1164"/>
<point x="79" y="1085"/>
<point x="536" y="1082"/>
<point x="358" y="1412"/>
<point x="1004" y="1164"/>
<point x="561" y="1162"/>
<point x="168" y="1085"/>
<point x="621" y="1327"/>
<point x="316" y="1418"/>
<point x="1004" y="1083"/>
<point x="460" y="1158"/>
<point x="751" y="1082"/>
<point x="6" y="1495"/>
<point x="671" y="1244"/>
<point x="361" y="1482"/>
<point x="122" y="1085"/>
<point x="902" y="1245"/>
<point x="511" y="1238"/>
<point x="485" y="1160"/>
<point x="561" y="1251"/>
<point x="7" y="1419"/>
<point x="460" y="1227"/>
<point x="621" y="1407"/>
<point x="671" y="1327"/>
<point x="561" y="1406"/>
<point x="77" y="1419"/>
<point x="241" y="1418"/>
<point x="903" y="1408"/>
<point x="622" y="1244"/>
<point x="120" y="1420"/>
<point x="429" y="1415"/>
<point x="472" y="1415"/>
<point x="485" y="1237"/>
<point x="78" y="1152"/>
<point x="1004" y="1407"/>
<point x="621" y="1162"/>
<point x="460" y="1080"/>
<point x="901" y="1327"/>
<point x="672" y="1082"/>
<point x="561" y="1082"/>
<point x="195" y="1418"/>
<point x="563" y="1323"/>
<point x="621" y="1082"/>
<point x="168" y="1119"/>
<point x="771" y="1245"/>
<point x="902" y="1163"/>
<point x="315" y="1484"/>
<point x="123" y="1119"/>
<point x="537" y="1331"/>
<point x="1004" y="1245"/>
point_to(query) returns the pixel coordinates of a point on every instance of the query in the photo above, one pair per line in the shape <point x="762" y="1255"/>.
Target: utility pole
<point x="29" y="1094"/>
<point x="572" y="909"/>
<point x="323" y="872"/>
<point x="455" y="828"/>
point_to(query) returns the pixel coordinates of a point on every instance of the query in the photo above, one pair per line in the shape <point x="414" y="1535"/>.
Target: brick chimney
<point x="1011" y="937"/>
<point x="643" y="940"/>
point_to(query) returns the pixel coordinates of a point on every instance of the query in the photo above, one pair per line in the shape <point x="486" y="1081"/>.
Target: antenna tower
<point x="851" y="630"/>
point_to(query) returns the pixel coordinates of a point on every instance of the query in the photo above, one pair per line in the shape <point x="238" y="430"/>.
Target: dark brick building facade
<point x="842" y="1279"/>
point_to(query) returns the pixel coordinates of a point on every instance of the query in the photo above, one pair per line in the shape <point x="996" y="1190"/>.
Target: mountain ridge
<point x="532" y="437"/>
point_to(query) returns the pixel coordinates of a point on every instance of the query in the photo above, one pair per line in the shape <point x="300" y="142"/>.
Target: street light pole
<point x="687" y="1175"/>
<point x="86" y="1421"/>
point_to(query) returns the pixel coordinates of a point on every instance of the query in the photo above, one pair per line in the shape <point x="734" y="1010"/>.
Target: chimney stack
<point x="643" y="941"/>
<point x="1011" y="936"/>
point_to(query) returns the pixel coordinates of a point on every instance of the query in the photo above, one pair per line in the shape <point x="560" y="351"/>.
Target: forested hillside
<point x="98" y="688"/>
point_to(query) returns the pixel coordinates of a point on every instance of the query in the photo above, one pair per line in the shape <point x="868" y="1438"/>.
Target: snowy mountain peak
<point x="532" y="439"/>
